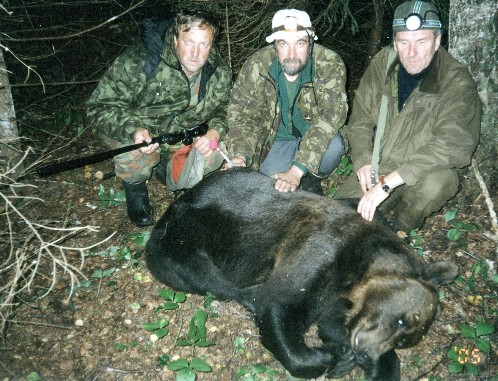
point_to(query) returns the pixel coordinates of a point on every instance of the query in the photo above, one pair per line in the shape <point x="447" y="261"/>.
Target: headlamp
<point x="290" y="24"/>
<point x="415" y="22"/>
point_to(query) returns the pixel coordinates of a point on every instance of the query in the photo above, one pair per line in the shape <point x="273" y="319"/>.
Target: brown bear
<point x="297" y="259"/>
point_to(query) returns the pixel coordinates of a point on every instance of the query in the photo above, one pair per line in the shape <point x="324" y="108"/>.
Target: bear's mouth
<point x="366" y="348"/>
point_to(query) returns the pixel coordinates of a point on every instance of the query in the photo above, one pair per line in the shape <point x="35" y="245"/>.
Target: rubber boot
<point x="137" y="204"/>
<point x="313" y="183"/>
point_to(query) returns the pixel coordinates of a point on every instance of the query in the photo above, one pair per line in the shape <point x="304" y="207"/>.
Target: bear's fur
<point x="295" y="259"/>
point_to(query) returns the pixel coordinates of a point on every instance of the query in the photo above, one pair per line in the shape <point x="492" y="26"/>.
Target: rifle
<point x="186" y="136"/>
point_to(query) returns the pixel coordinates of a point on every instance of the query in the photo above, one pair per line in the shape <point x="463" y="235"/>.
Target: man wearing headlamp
<point x="430" y="123"/>
<point x="288" y="105"/>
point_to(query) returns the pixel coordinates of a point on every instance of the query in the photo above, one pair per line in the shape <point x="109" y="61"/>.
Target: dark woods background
<point x="58" y="50"/>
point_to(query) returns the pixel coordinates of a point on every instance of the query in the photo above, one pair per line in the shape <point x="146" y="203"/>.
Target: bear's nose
<point x="364" y="358"/>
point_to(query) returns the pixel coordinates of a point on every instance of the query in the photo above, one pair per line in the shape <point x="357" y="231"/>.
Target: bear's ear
<point x="440" y="273"/>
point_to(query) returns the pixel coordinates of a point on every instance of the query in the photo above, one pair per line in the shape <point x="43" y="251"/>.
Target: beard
<point x="292" y="66"/>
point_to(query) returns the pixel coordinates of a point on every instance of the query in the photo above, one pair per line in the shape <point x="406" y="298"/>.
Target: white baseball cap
<point x="290" y="21"/>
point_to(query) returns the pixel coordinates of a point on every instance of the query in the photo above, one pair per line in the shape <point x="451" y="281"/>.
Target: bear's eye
<point x="400" y="322"/>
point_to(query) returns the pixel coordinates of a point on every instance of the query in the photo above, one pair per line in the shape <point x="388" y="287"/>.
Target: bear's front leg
<point x="282" y="331"/>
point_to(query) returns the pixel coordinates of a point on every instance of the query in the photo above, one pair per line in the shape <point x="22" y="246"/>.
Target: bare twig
<point x="34" y="250"/>
<point x="493" y="234"/>
<point x="72" y="35"/>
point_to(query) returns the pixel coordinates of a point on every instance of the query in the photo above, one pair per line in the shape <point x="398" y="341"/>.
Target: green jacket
<point x="437" y="128"/>
<point x="126" y="98"/>
<point x="253" y="111"/>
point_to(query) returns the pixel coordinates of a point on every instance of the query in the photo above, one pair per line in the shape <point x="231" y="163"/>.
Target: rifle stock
<point x="186" y="136"/>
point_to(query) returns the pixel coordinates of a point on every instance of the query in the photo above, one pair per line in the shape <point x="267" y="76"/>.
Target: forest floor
<point x="97" y="332"/>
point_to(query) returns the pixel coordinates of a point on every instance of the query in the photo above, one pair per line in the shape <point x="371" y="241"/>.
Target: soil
<point x="97" y="332"/>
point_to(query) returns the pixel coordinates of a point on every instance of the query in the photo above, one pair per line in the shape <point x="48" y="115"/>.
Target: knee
<point x="424" y="198"/>
<point x="438" y="187"/>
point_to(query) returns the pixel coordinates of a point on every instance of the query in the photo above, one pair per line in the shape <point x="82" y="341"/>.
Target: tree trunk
<point x="376" y="33"/>
<point x="10" y="155"/>
<point x="472" y="41"/>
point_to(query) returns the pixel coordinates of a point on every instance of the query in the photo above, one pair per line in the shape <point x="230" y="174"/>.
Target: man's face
<point x="292" y="54"/>
<point x="193" y="48"/>
<point x="416" y="49"/>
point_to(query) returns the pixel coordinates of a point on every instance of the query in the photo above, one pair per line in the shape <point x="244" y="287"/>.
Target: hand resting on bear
<point x="297" y="259"/>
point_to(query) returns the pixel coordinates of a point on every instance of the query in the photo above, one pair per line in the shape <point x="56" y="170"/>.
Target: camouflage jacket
<point x="253" y="111"/>
<point x="126" y="98"/>
<point x="437" y="128"/>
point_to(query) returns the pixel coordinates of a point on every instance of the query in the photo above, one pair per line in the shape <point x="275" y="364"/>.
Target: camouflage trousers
<point x="136" y="167"/>
<point x="410" y="204"/>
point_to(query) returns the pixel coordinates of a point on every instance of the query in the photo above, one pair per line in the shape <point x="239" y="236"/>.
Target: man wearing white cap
<point x="430" y="118"/>
<point x="288" y="105"/>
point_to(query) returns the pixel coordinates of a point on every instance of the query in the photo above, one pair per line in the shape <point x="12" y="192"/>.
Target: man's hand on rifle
<point x="143" y="135"/>
<point x="202" y="143"/>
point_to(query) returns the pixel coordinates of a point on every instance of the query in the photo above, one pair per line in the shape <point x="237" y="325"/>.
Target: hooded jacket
<point x="437" y="128"/>
<point x="144" y="89"/>
<point x="253" y="111"/>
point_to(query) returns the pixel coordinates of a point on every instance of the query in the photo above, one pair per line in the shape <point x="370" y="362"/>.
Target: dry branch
<point x="33" y="250"/>
<point x="493" y="234"/>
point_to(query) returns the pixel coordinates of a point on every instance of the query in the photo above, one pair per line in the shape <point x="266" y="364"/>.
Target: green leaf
<point x="33" y="376"/>
<point x="472" y="227"/>
<point x="240" y="343"/>
<point x="163" y="360"/>
<point x="453" y="353"/>
<point x="140" y="238"/>
<point x="159" y="324"/>
<point x="472" y="369"/>
<point x="180" y="297"/>
<point x="459" y="224"/>
<point x="108" y="272"/>
<point x="184" y="343"/>
<point x="123" y="253"/>
<point x="495" y="278"/>
<point x="120" y="347"/>
<point x="483" y="329"/>
<point x="197" y="326"/>
<point x="166" y="294"/>
<point x="186" y="375"/>
<point x="204" y="343"/>
<point x="160" y="333"/>
<point x="467" y="331"/>
<point x="178" y="364"/>
<point x="455" y="367"/>
<point x="97" y="274"/>
<point x="483" y="345"/>
<point x="112" y="197"/>
<point x="200" y="365"/>
<point x="258" y="369"/>
<point x="170" y="306"/>
<point x="244" y="369"/>
<point x="450" y="214"/>
<point x="454" y="234"/>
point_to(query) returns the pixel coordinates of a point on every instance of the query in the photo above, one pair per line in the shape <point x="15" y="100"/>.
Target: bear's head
<point x="394" y="310"/>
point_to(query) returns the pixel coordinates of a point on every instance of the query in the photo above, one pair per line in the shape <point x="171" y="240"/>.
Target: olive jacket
<point x="253" y="111"/>
<point x="147" y="88"/>
<point x="437" y="128"/>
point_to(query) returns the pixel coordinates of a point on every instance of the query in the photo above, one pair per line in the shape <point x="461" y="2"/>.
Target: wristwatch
<point x="384" y="186"/>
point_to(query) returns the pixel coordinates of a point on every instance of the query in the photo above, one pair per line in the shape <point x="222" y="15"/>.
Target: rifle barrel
<point x="184" y="136"/>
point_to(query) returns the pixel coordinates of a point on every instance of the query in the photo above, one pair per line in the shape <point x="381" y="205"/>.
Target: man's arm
<point x="328" y="104"/>
<point x="248" y="113"/>
<point x="109" y="106"/>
